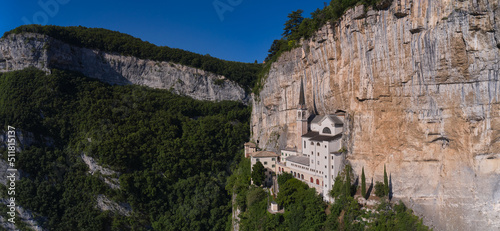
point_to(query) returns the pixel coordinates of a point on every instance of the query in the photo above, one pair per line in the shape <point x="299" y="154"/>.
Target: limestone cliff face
<point x="33" y="50"/>
<point x="420" y="85"/>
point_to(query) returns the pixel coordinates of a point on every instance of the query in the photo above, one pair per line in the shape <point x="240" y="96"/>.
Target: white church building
<point x="316" y="158"/>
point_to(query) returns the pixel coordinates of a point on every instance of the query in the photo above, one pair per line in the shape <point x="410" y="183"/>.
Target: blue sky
<point x="240" y="30"/>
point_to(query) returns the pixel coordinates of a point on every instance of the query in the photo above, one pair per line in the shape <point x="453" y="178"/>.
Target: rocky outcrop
<point x="19" y="51"/>
<point x="105" y="204"/>
<point x="107" y="175"/>
<point x="420" y="85"/>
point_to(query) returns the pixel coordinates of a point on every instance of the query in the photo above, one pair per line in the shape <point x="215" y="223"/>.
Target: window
<point x="282" y="154"/>
<point x="325" y="146"/>
<point x="312" y="153"/>
<point x="304" y="144"/>
<point x="302" y="176"/>
<point x="312" y="161"/>
<point x="326" y="185"/>
<point x="275" y="166"/>
<point x="265" y="162"/>
<point x="325" y="166"/>
<point x="258" y="159"/>
<point x="312" y="181"/>
<point x="318" y="144"/>
<point x="325" y="157"/>
<point x="318" y="153"/>
<point x="295" y="174"/>
<point x="327" y="130"/>
<point x="312" y="143"/>
<point x="332" y="166"/>
<point x="318" y="162"/>
<point x="279" y="169"/>
<point x="317" y="181"/>
<point x="273" y="159"/>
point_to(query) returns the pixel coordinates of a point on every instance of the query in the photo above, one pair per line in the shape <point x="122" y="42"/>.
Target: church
<point x="317" y="157"/>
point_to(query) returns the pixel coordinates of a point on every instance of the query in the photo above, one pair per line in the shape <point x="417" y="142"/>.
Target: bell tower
<point x="301" y="118"/>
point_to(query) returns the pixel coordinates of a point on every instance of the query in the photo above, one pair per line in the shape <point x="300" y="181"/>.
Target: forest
<point x="244" y="74"/>
<point x="172" y="154"/>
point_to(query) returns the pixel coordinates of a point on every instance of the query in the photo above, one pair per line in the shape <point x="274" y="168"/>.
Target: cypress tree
<point x="348" y="181"/>
<point x="363" y="183"/>
<point x="386" y="182"/>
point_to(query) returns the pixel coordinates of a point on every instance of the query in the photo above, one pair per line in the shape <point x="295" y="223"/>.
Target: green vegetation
<point x="363" y="183"/>
<point x="173" y="153"/>
<point x="245" y="74"/>
<point x="304" y="209"/>
<point x="380" y="189"/>
<point x="386" y="182"/>
<point x="258" y="174"/>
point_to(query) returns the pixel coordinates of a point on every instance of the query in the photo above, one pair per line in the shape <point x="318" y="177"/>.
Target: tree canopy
<point x="172" y="153"/>
<point x="258" y="174"/>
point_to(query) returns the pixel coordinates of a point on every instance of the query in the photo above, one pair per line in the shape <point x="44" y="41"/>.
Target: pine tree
<point x="292" y="25"/>
<point x="363" y="183"/>
<point x="386" y="182"/>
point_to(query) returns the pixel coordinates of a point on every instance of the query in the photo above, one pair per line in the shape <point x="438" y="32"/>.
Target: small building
<point x="269" y="160"/>
<point x="249" y="148"/>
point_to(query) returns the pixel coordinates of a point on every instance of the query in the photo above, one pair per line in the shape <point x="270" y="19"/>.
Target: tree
<point x="386" y="182"/>
<point x="347" y="186"/>
<point x="379" y="189"/>
<point x="363" y="183"/>
<point x="284" y="177"/>
<point x="293" y="23"/>
<point x="258" y="174"/>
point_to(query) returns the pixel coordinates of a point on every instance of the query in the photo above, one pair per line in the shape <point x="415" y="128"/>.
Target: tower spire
<point x="302" y="100"/>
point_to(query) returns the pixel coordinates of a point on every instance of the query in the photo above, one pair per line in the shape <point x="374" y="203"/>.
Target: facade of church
<point x="316" y="159"/>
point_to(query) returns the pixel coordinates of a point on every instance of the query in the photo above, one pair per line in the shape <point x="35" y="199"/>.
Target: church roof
<point x="263" y="154"/>
<point x="326" y="138"/>
<point x="310" y="134"/>
<point x="299" y="160"/>
<point x="250" y="144"/>
<point x="333" y="118"/>
<point x="302" y="99"/>
<point x="315" y="136"/>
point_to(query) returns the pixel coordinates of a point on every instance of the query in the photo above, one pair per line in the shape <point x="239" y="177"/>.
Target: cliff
<point x="420" y="85"/>
<point x="19" y="51"/>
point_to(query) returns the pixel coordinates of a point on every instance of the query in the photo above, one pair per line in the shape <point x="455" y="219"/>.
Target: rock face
<point x="19" y="51"/>
<point x="419" y="83"/>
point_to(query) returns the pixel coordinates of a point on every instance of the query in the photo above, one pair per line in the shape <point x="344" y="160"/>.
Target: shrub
<point x="380" y="189"/>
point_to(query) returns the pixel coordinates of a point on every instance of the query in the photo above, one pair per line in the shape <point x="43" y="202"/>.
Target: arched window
<point x="312" y="181"/>
<point x="327" y="130"/>
<point x="317" y="181"/>
<point x="302" y="176"/>
<point x="295" y="174"/>
<point x="318" y="144"/>
<point x="279" y="169"/>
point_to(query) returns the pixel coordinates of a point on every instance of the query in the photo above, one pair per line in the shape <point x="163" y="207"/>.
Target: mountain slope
<point x="419" y="82"/>
<point x="156" y="67"/>
<point x="170" y="154"/>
